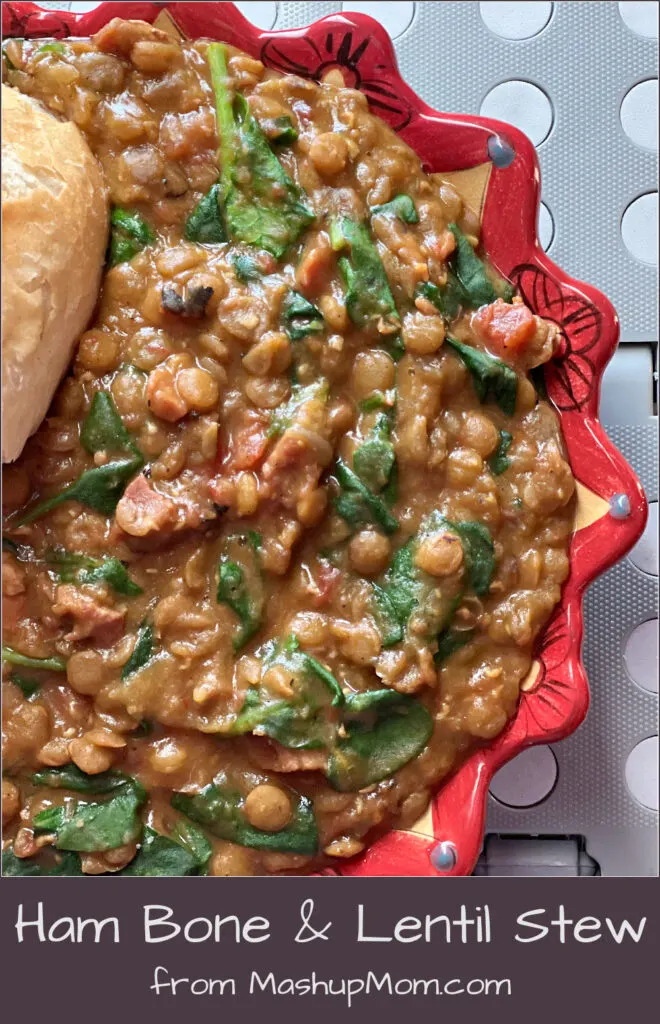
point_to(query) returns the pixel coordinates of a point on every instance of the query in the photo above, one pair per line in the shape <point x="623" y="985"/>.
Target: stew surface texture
<point x="276" y="560"/>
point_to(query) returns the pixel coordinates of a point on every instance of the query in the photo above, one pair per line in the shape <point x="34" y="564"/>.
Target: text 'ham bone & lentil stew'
<point x="276" y="560"/>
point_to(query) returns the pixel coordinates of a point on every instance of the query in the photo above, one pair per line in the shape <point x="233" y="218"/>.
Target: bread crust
<point x="55" y="228"/>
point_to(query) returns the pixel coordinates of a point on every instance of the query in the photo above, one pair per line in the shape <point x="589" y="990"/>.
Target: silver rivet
<point x="443" y="856"/>
<point x="501" y="153"/>
<point x="620" y="506"/>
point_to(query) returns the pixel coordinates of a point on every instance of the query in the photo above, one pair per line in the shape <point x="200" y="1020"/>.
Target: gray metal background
<point x="585" y="60"/>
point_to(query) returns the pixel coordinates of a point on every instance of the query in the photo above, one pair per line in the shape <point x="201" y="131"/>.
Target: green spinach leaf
<point x="401" y="206"/>
<point x="143" y="729"/>
<point x="99" y="488"/>
<point x="280" y="131"/>
<point x="471" y="272"/>
<point x="194" y="841"/>
<point x="72" y="567"/>
<point x="240" y="585"/>
<point x="204" y="224"/>
<point x="246" y="267"/>
<point x="129" y="235"/>
<point x="298" y="723"/>
<point x="406" y="588"/>
<point x="301" y="317"/>
<point x="498" y="461"/>
<point x="161" y="856"/>
<point x="326" y="677"/>
<point x="95" y="827"/>
<point x="69" y="776"/>
<point x="401" y="592"/>
<point x="52" y="664"/>
<point x="143" y="651"/>
<point x="358" y="504"/>
<point x="103" y="429"/>
<point x="263" y="206"/>
<point x="286" y="414"/>
<point x="537" y="377"/>
<point x="219" y="809"/>
<point x="26" y="684"/>
<point x="478" y="549"/>
<point x="55" y="47"/>
<point x="64" y="863"/>
<point x="378" y="400"/>
<point x="8" y="61"/>
<point x="450" y="641"/>
<point x="448" y="300"/>
<point x="384" y="731"/>
<point x="387" y="618"/>
<point x="493" y="380"/>
<point x="369" y="300"/>
<point x="374" y="459"/>
<point x="102" y="487"/>
<point x="301" y="664"/>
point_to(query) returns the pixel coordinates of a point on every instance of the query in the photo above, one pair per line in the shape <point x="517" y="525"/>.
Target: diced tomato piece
<point x="506" y="327"/>
<point x="249" y="447"/>
<point x="442" y="246"/>
<point x="326" y="578"/>
<point x="313" y="269"/>
<point x="243" y="446"/>
<point x="266" y="263"/>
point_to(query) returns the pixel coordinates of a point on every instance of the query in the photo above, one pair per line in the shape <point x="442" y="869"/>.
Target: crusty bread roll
<point x="55" y="226"/>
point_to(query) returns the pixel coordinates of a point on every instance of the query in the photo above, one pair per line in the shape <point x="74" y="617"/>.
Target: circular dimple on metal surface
<point x="642" y="772"/>
<point x="443" y="856"/>
<point x="515" y="20"/>
<point x="526" y="780"/>
<point x="645" y="553"/>
<point x="639" y="114"/>
<point x="500" y="152"/>
<point x="394" y="17"/>
<point x="641" y="17"/>
<point x="641" y="655"/>
<point x="263" y="15"/>
<point x="521" y="104"/>
<point x="546" y="227"/>
<point x="620" y="506"/>
<point x="639" y="228"/>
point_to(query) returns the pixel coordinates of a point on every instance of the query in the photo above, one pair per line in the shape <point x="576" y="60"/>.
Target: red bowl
<point x="555" y="697"/>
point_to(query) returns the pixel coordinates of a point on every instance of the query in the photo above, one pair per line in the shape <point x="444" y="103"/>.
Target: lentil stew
<point x="277" y="559"/>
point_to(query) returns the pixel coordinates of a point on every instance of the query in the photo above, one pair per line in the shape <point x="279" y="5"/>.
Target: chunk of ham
<point x="120" y="36"/>
<point x="143" y="511"/>
<point x="249" y="441"/>
<point x="185" y="135"/>
<point x="90" y="617"/>
<point x="293" y="468"/>
<point x="13" y="577"/>
<point x="325" y="580"/>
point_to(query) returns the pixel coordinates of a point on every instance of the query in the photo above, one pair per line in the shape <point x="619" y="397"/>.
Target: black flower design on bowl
<point x="313" y="57"/>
